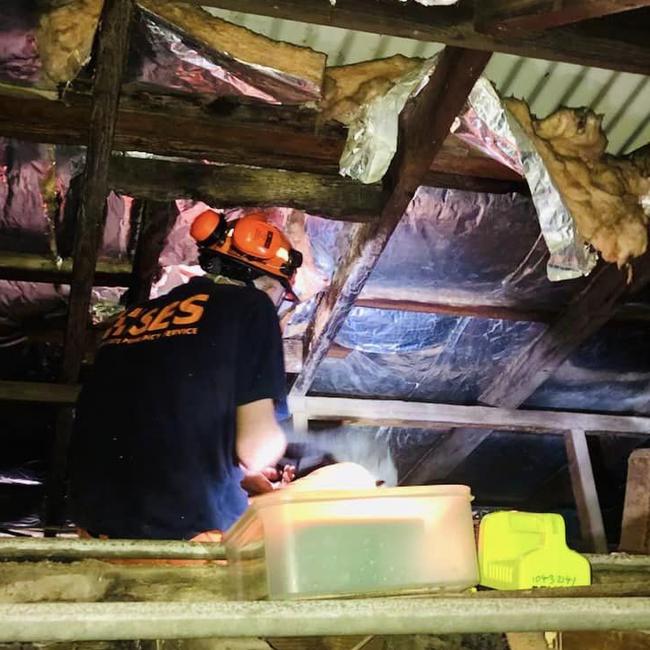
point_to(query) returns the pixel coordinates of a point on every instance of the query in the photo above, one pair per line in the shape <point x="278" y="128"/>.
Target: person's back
<point x="154" y="450"/>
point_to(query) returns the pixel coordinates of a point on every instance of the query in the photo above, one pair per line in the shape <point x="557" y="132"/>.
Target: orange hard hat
<point x="251" y="242"/>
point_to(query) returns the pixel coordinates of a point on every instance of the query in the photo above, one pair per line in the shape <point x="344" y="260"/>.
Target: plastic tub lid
<point x="288" y="496"/>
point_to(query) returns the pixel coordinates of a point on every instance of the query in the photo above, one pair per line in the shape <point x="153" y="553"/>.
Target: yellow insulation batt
<point x="349" y="87"/>
<point x="238" y="42"/>
<point x="65" y="39"/>
<point x="604" y="193"/>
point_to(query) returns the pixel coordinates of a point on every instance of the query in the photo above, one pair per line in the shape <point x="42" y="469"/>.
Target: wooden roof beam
<point x="454" y="25"/>
<point x="424" y="125"/>
<point x="502" y="17"/>
<point x="226" y="132"/>
<point x="522" y="375"/>
<point x="238" y="186"/>
<point x="111" y="61"/>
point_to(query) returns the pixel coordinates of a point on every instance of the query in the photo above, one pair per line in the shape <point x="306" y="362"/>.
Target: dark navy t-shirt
<point x="153" y="452"/>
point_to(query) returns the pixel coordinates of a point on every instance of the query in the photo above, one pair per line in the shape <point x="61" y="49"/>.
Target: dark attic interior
<point x="468" y="182"/>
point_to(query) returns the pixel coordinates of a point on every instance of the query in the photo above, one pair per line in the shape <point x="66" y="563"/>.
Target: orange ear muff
<point x="209" y="228"/>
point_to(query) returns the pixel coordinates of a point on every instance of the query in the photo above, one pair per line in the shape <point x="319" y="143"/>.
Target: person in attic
<point x="184" y="401"/>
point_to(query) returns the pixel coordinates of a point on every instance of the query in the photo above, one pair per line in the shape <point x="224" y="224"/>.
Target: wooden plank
<point x="111" y="61"/>
<point x="635" y="531"/>
<point x="424" y="126"/>
<point x="27" y="267"/>
<point x="584" y="491"/>
<point x="454" y="26"/>
<point x="38" y="392"/>
<point x="237" y="186"/>
<point x="112" y="50"/>
<point x="264" y="136"/>
<point x="222" y="131"/>
<point x="499" y="17"/>
<point x="158" y="219"/>
<point x="514" y="383"/>
<point x="423" y="415"/>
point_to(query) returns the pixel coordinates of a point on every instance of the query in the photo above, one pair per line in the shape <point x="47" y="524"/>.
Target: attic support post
<point x="424" y="125"/>
<point x="158" y="219"/>
<point x="111" y="60"/>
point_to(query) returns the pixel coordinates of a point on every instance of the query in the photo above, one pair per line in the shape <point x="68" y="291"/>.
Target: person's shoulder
<point x="247" y="296"/>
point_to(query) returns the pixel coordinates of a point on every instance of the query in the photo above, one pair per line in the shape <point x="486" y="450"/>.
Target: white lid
<point x="288" y="496"/>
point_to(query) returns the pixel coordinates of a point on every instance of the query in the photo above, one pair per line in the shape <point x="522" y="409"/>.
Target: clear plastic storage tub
<point x="293" y="544"/>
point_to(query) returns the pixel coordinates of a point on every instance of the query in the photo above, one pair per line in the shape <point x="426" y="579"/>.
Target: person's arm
<point x="261" y="384"/>
<point x="260" y="439"/>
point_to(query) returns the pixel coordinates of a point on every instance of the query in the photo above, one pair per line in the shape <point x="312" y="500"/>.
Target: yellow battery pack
<point x="522" y="550"/>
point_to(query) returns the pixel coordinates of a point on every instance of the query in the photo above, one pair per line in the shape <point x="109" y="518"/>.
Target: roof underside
<point x="622" y="98"/>
<point x="452" y="246"/>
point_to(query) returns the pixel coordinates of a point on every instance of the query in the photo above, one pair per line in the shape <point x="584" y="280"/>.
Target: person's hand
<point x="288" y="474"/>
<point x="256" y="483"/>
<point x="267" y="480"/>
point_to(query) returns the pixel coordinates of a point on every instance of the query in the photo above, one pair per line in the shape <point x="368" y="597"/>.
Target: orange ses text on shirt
<point x="172" y="319"/>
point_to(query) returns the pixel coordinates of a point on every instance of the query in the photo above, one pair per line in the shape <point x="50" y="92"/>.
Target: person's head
<point x="249" y="250"/>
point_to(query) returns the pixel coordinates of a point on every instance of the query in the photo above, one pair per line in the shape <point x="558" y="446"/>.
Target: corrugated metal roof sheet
<point x="624" y="99"/>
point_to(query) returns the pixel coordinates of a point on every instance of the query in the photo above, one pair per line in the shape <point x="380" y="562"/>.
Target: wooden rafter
<point x="589" y="311"/>
<point x="238" y="186"/>
<point x="455" y="26"/>
<point x="424" y="125"/>
<point x="499" y="17"/>
<point x="522" y="375"/>
<point x="111" y="61"/>
<point x="225" y="132"/>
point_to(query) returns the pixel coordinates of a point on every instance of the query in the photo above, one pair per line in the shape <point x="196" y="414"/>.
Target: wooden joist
<point x="424" y="125"/>
<point x="226" y="132"/>
<point x="514" y="383"/>
<point x="415" y="415"/>
<point x="174" y="126"/>
<point x="613" y="49"/>
<point x="237" y="186"/>
<point x="420" y="415"/>
<point x="499" y="17"/>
